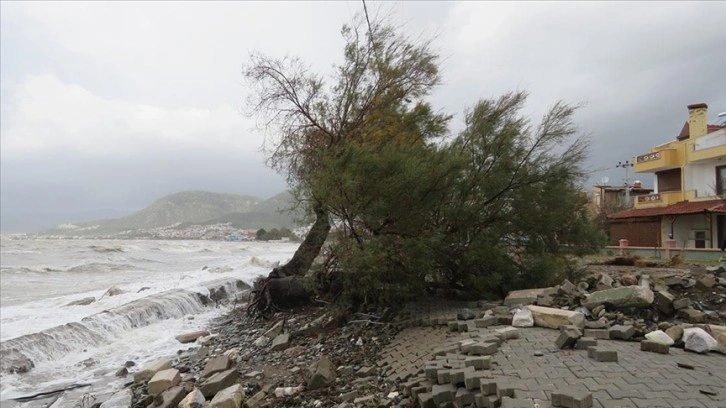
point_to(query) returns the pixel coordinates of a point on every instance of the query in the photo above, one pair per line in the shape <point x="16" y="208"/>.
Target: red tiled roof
<point x="684" y="207"/>
<point x="686" y="133"/>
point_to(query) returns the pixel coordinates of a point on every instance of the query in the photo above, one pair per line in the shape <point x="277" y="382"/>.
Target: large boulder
<point x="696" y="339"/>
<point x="555" y="318"/>
<point x="628" y="296"/>
<point x="320" y="374"/>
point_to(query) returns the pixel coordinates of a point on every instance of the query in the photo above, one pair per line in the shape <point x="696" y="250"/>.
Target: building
<point x="608" y="198"/>
<point x="687" y="205"/>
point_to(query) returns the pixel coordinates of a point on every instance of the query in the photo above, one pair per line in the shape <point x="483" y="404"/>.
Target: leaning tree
<point x="312" y="122"/>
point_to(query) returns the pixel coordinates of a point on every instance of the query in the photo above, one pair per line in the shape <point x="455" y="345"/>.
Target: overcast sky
<point x="108" y="106"/>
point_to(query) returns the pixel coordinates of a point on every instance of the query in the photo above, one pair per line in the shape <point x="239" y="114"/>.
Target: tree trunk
<point x="284" y="286"/>
<point x="303" y="258"/>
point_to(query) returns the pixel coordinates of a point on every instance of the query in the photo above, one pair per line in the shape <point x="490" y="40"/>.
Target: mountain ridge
<point x="198" y="207"/>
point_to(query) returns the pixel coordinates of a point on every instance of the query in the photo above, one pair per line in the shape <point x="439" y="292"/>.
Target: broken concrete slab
<point x="230" y="397"/>
<point x="628" y="296"/>
<point x="215" y="365"/>
<point x="163" y="380"/>
<point x="555" y="318"/>
<point x="148" y="371"/>
<point x="525" y="296"/>
<point x="218" y="382"/>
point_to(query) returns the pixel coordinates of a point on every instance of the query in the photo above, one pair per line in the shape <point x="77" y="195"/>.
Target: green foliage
<point x="491" y="209"/>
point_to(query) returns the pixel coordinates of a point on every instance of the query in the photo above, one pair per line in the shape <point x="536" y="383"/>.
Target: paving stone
<point x="426" y="400"/>
<point x="488" y="386"/>
<point x="570" y="397"/>
<point x="505" y="389"/>
<point x="568" y="337"/>
<point x="584" y="342"/>
<point x="487" y="401"/>
<point x="602" y="355"/>
<point x="504" y="319"/>
<point x="622" y="332"/>
<point x="443" y="393"/>
<point x="464" y="397"/>
<point x="655" y="347"/>
<point x="478" y="362"/>
<point x="443" y="376"/>
<point x="485" y="322"/>
<point x="516" y="403"/>
<point x="453" y="325"/>
<point x="597" y="333"/>
<point x="483" y="349"/>
<point x="462" y="326"/>
<point x="509" y="333"/>
<point x="457" y="376"/>
<point x="473" y="380"/>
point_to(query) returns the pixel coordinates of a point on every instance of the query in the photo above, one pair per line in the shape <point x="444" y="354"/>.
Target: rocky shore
<point x="306" y="359"/>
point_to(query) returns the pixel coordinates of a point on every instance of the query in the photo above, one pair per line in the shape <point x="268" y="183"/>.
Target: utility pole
<point x="627" y="165"/>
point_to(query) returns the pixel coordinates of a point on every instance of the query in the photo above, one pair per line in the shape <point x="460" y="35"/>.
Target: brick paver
<point x="638" y="379"/>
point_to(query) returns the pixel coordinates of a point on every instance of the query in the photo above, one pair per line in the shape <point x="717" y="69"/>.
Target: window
<point x="700" y="239"/>
<point x="720" y="180"/>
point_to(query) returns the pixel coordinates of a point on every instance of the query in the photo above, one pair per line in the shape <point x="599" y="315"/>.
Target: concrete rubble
<point x="296" y="363"/>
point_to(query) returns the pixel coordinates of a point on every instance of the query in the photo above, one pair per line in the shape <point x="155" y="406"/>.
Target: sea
<point x="163" y="285"/>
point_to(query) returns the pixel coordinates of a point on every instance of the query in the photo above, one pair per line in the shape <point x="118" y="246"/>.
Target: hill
<point x="197" y="208"/>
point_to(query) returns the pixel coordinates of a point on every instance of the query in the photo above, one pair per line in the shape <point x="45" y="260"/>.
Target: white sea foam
<point x="39" y="279"/>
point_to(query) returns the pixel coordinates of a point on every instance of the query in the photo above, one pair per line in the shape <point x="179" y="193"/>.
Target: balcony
<point x="710" y="153"/>
<point x="659" y="199"/>
<point x="657" y="161"/>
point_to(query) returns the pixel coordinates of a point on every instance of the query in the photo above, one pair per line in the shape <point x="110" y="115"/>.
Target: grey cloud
<point x="633" y="66"/>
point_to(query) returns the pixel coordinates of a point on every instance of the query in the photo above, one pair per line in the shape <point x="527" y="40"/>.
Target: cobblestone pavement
<point x="638" y="379"/>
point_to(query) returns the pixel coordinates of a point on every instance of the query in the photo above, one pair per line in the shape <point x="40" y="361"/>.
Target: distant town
<point x="213" y="232"/>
